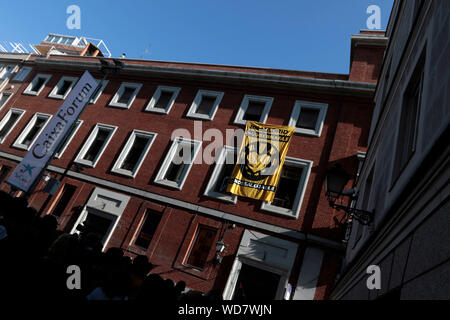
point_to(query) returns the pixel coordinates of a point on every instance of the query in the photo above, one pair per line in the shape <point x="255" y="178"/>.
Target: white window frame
<point x="160" y="177"/>
<point x="192" y="112"/>
<point x="9" y="94"/>
<point x="66" y="144"/>
<point x="53" y="93"/>
<point x="301" y="189"/>
<point x="4" y="72"/>
<point x="296" y="111"/>
<point x="151" y="105"/>
<point x="225" y="153"/>
<point x="117" y="166"/>
<point x="18" y="143"/>
<point x="107" y="204"/>
<point x="99" y="92"/>
<point x="7" y="117"/>
<point x="79" y="159"/>
<point x="244" y="105"/>
<point x="22" y="74"/>
<point x="36" y="93"/>
<point x="114" y="102"/>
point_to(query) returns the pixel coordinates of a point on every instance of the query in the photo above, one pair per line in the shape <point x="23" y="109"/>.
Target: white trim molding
<point x="106" y="204"/>
<point x="63" y="148"/>
<point x="115" y="100"/>
<point x="54" y="93"/>
<point x="35" y="80"/>
<point x="80" y="157"/>
<point x="309" y="274"/>
<point x="5" y="120"/>
<point x="19" y="143"/>
<point x="151" y="106"/>
<point x="4" y="101"/>
<point x="22" y="74"/>
<point x="297" y="111"/>
<point x="117" y="168"/>
<point x="293" y="212"/>
<point x="192" y="112"/>
<point x="226" y="156"/>
<point x="178" y="144"/>
<point x="264" y="252"/>
<point x="239" y="120"/>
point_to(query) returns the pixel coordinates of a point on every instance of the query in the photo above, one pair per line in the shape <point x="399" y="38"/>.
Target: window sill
<point x="222" y="197"/>
<point x="307" y="132"/>
<point x="289" y="213"/>
<point x="125" y="173"/>
<point x="31" y="93"/>
<point x="168" y="183"/>
<point x="119" y="105"/>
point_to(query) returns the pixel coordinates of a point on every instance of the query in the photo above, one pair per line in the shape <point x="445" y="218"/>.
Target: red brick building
<point x="117" y="169"/>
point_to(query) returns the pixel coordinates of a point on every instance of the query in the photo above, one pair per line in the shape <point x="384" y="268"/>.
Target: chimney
<point x="366" y="57"/>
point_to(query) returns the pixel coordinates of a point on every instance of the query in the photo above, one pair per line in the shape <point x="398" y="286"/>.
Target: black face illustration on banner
<point x="261" y="159"/>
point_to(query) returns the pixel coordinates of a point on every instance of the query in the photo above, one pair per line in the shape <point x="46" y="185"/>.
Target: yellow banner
<point x="260" y="160"/>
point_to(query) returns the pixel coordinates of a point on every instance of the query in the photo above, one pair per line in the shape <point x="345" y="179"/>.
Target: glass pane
<point x="287" y="187"/>
<point x="64" y="199"/>
<point x="38" y="84"/>
<point x="64" y="87"/>
<point x="126" y="95"/>
<point x="308" y="118"/>
<point x="3" y="98"/>
<point x="8" y="125"/>
<point x="148" y="229"/>
<point x="96" y="145"/>
<point x="4" y="171"/>
<point x="34" y="131"/>
<point x="133" y="156"/>
<point x="254" y="111"/>
<point x="206" y="104"/>
<point x="202" y="246"/>
<point x="164" y="100"/>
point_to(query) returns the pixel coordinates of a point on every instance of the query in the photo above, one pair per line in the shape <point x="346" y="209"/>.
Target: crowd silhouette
<point x="35" y="256"/>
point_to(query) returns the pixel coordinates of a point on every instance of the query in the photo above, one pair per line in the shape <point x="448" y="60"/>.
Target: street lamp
<point x="335" y="180"/>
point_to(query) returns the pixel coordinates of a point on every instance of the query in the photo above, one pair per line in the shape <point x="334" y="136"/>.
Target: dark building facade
<point x="117" y="171"/>
<point x="404" y="179"/>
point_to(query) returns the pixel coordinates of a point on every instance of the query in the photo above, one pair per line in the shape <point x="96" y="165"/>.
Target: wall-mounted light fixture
<point x="335" y="180"/>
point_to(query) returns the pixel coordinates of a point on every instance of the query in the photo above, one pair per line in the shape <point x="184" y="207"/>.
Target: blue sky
<point x="311" y="35"/>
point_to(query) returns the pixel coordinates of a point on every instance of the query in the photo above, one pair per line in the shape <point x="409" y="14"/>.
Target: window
<point x="70" y="136"/>
<point x="125" y="95"/>
<point x="95" y="97"/>
<point x="205" y="104"/>
<point x="308" y="117"/>
<point x="407" y="129"/>
<point x="254" y="108"/>
<point x="291" y="188"/>
<point x="5" y="71"/>
<point x="8" y="122"/>
<point x="163" y="99"/>
<point x="32" y="131"/>
<point x="134" y="152"/>
<point x="66" y="195"/>
<point x="22" y="74"/>
<point x="178" y="163"/>
<point x="4" y="172"/>
<point x="225" y="163"/>
<point x="148" y="228"/>
<point x="62" y="89"/>
<point x="38" y="83"/>
<point x="95" y="145"/>
<point x="4" y="97"/>
<point x="204" y="240"/>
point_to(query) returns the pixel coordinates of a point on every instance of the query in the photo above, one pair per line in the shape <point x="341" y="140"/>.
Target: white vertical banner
<point x="45" y="146"/>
